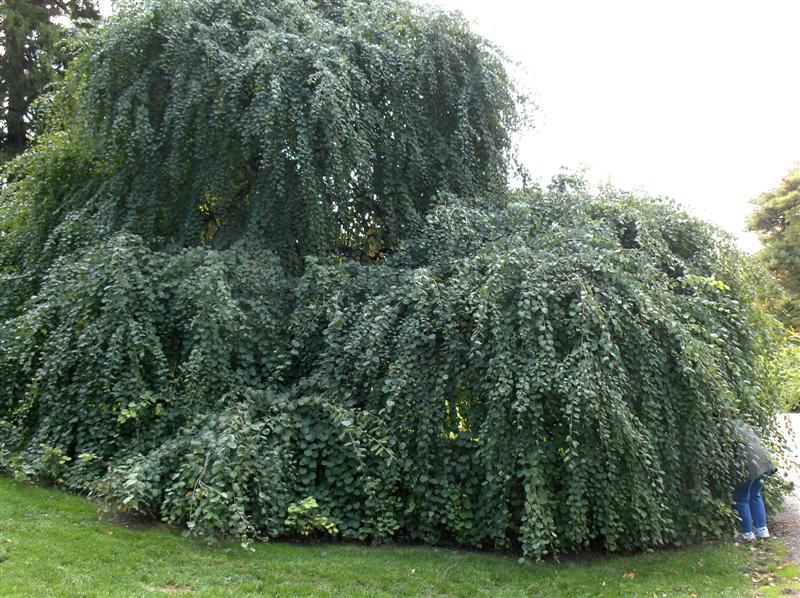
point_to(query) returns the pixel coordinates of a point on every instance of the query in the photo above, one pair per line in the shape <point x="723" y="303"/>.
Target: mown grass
<point x="55" y="544"/>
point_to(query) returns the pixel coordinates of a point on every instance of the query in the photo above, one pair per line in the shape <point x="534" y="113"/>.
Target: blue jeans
<point x="750" y="506"/>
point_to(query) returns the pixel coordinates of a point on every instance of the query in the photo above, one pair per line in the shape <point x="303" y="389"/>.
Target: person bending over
<point x="747" y="494"/>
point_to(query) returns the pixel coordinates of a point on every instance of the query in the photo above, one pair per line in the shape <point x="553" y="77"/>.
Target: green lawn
<point x="53" y="544"/>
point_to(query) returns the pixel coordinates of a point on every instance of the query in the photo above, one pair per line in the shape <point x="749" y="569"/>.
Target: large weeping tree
<point x="307" y="126"/>
<point x="264" y="276"/>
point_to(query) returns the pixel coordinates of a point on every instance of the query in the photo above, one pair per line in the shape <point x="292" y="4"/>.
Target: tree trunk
<point x="17" y="135"/>
<point x="16" y="33"/>
<point x="22" y="26"/>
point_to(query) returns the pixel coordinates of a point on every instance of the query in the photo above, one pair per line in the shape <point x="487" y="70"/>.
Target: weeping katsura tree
<point x="306" y="126"/>
<point x="263" y="276"/>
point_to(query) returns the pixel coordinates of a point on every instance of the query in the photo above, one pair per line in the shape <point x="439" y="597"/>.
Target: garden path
<point x="786" y="526"/>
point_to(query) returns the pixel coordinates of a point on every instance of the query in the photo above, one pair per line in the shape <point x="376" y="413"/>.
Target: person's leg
<point x="757" y="510"/>
<point x="741" y="496"/>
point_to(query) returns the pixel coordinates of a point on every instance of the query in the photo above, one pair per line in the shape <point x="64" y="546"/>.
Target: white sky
<point x="697" y="100"/>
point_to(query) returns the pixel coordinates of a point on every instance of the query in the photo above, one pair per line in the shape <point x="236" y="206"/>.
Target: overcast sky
<point x="697" y="100"/>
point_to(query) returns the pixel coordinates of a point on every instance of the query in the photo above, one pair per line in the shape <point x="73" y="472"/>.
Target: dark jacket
<point x="758" y="460"/>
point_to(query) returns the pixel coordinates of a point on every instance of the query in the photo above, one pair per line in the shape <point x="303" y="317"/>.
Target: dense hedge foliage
<point x="241" y="293"/>
<point x="556" y="371"/>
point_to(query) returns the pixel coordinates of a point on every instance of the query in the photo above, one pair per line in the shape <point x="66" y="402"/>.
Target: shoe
<point x="762" y="533"/>
<point x="744" y="538"/>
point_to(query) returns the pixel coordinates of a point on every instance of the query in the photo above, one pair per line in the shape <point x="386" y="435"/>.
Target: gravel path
<point x="786" y="526"/>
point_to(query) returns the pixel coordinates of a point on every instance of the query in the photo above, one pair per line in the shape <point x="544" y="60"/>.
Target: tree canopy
<point x="263" y="275"/>
<point x="308" y="126"/>
<point x="777" y="222"/>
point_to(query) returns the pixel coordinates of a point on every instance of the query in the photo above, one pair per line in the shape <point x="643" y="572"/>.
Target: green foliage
<point x="543" y="371"/>
<point x="532" y="348"/>
<point x="237" y="274"/>
<point x="309" y="127"/>
<point x="221" y="474"/>
<point x="42" y="463"/>
<point x="788" y="375"/>
<point x="777" y="222"/>
<point x="304" y="518"/>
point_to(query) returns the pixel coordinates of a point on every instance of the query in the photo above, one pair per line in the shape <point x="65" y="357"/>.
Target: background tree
<point x="777" y="222"/>
<point x="30" y="32"/>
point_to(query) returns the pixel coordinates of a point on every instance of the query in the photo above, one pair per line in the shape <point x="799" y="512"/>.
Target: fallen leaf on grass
<point x="629" y="575"/>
